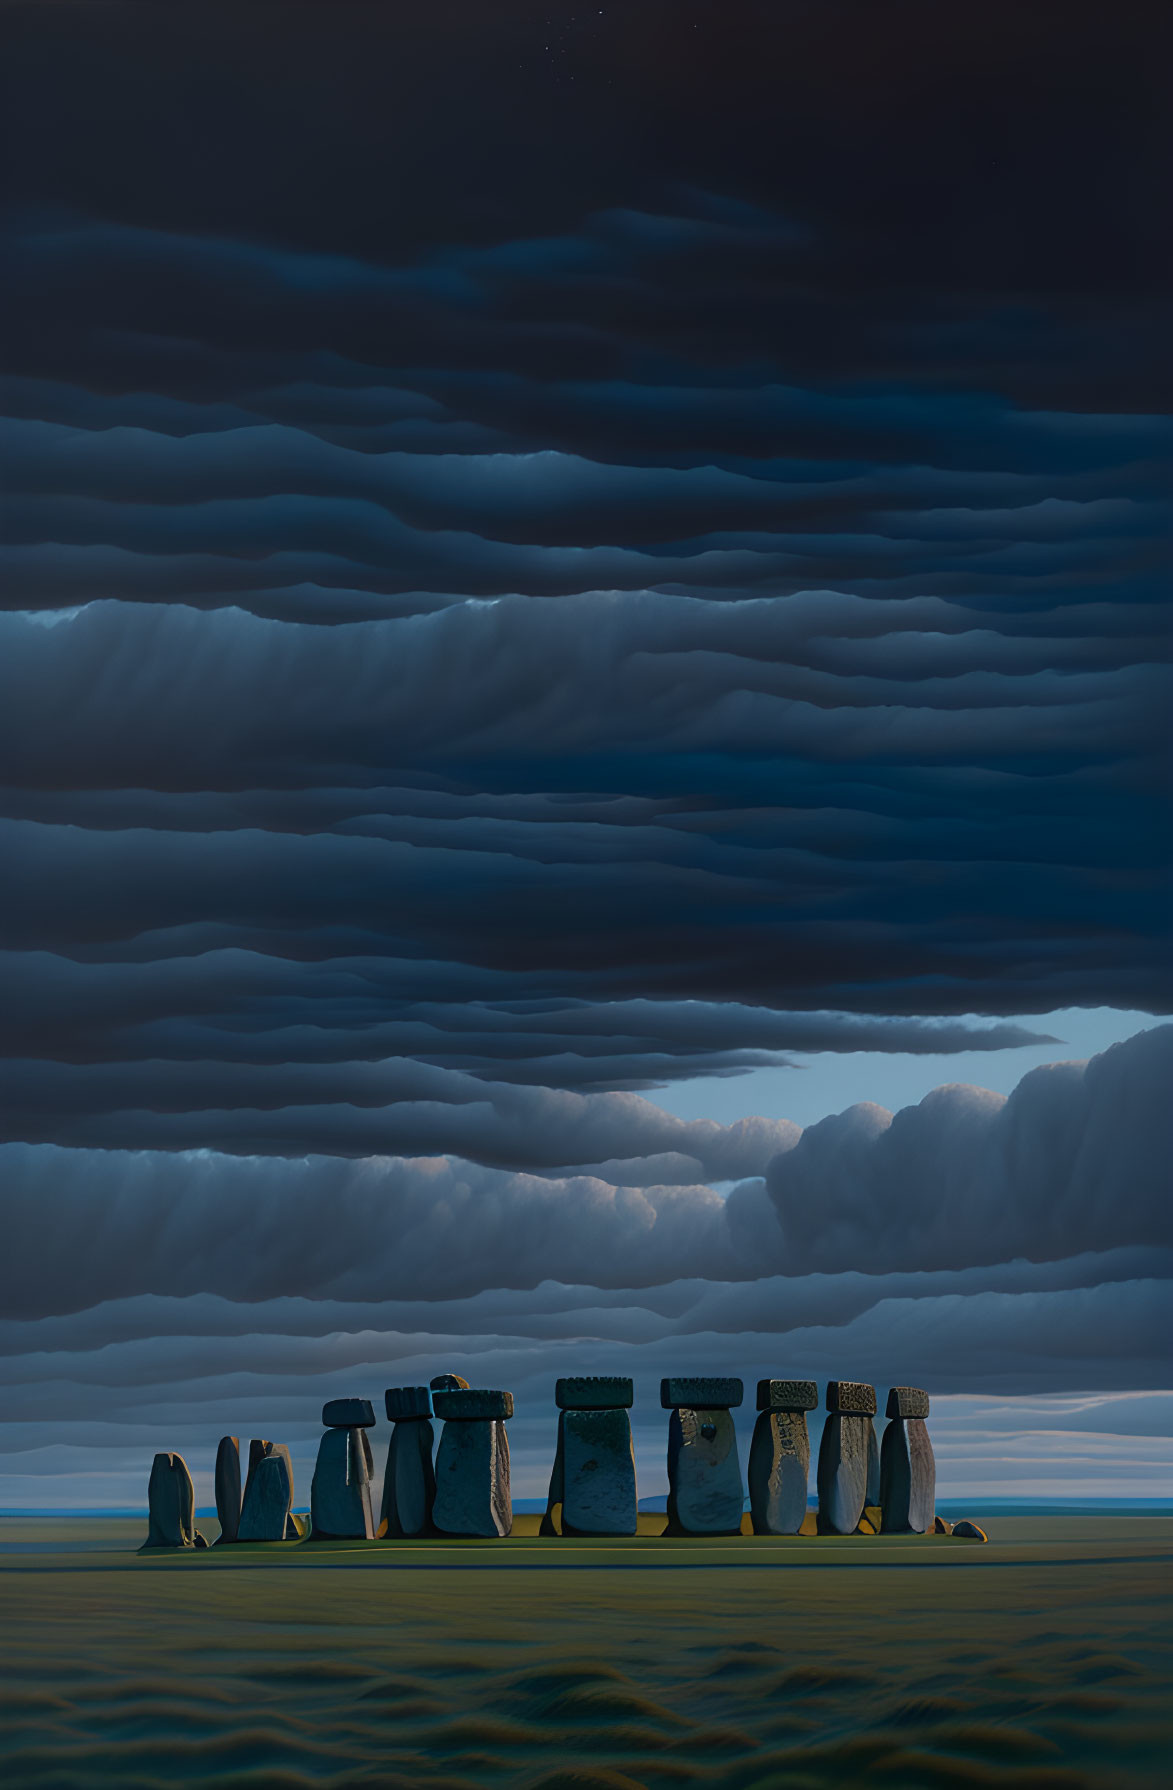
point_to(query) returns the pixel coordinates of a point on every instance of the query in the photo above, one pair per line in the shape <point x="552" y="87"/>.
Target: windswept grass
<point x="1042" y="1661"/>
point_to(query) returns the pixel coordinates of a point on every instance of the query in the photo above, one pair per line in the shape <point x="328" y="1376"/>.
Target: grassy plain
<point x="1041" y="1661"/>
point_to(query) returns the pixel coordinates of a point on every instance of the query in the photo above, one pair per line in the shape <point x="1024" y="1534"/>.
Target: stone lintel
<point x="472" y="1405"/>
<point x="594" y="1392"/>
<point x="348" y="1414"/>
<point x="700" y="1394"/>
<point x="406" y="1402"/>
<point x="851" y="1398"/>
<point x="787" y="1395"/>
<point x="908" y="1401"/>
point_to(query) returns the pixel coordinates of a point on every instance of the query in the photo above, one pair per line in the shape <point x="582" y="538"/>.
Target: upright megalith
<point x="848" y="1434"/>
<point x="872" y="1495"/>
<point x="409" y="1485"/>
<point x="340" y="1492"/>
<point x="170" y="1504"/>
<point x="705" y="1491"/>
<point x="448" y="1383"/>
<point x="268" y="1493"/>
<point x="780" y="1456"/>
<point x="228" y="1487"/>
<point x="472" y="1463"/>
<point x="908" y="1472"/>
<point x="594" y="1468"/>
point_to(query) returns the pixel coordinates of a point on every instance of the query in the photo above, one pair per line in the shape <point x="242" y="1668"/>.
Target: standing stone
<point x="340" y="1492"/>
<point x="268" y="1493"/>
<point x="472" y="1463"/>
<point x="780" y="1456"/>
<point x="228" y="1486"/>
<point x="705" y="1491"/>
<point x="843" y="1456"/>
<point x="170" y="1504"/>
<point x="409" y="1485"/>
<point x="908" y="1471"/>
<point x="594" y="1468"/>
<point x="449" y="1383"/>
<point x="257" y="1451"/>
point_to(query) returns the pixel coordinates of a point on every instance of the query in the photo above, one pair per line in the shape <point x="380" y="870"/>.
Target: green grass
<point x="1041" y="1660"/>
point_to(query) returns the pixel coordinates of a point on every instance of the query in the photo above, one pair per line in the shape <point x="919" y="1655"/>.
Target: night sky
<point x="584" y="589"/>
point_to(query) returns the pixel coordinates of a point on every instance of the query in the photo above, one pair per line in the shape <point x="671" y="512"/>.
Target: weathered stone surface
<point x="594" y="1392"/>
<point x="700" y="1394"/>
<point x="406" y="1402"/>
<point x="449" y="1383"/>
<point x="228" y="1487"/>
<point x="348" y="1414"/>
<point x="787" y="1395"/>
<point x="872" y="1495"/>
<point x="340" y="1493"/>
<point x="472" y="1406"/>
<point x="908" y="1477"/>
<point x="268" y="1493"/>
<point x="705" y="1490"/>
<point x="907" y="1401"/>
<point x="941" y="1526"/>
<point x="170" y="1504"/>
<point x="258" y="1449"/>
<point x="595" y="1470"/>
<point x="472" y="1480"/>
<point x="843" y="1471"/>
<point x="296" y="1527"/>
<point x="869" y="1522"/>
<point x="409" y="1484"/>
<point x="779" y="1467"/>
<point x="969" y="1531"/>
<point x="851" y="1398"/>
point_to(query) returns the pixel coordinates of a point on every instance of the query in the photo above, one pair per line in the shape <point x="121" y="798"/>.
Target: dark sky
<point x="551" y="553"/>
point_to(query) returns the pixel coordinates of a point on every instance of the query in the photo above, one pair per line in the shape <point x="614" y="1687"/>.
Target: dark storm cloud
<point x="955" y="493"/>
<point x="75" y="1383"/>
<point x="425" y="1228"/>
<point x="1076" y="1151"/>
<point x="746" y="383"/>
<point x="1074" y="1161"/>
<point x="804" y="803"/>
<point x="364" y="1009"/>
<point x="550" y="1312"/>
<point x="818" y="676"/>
<point x="375" y="1109"/>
